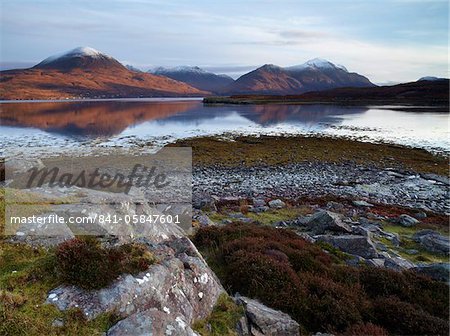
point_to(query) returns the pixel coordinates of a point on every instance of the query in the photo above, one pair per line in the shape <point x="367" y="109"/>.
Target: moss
<point x="222" y="320"/>
<point x="422" y="255"/>
<point x="272" y="216"/>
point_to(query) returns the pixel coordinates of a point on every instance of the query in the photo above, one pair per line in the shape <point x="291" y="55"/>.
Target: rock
<point x="151" y="322"/>
<point x="323" y="221"/>
<point x="397" y="263"/>
<point x="358" y="245"/>
<point x="306" y="237"/>
<point x="164" y="297"/>
<point x="259" y="202"/>
<point x="420" y="215"/>
<point x="94" y="204"/>
<point x="335" y="206"/>
<point x="362" y="204"/>
<point x="437" y="271"/>
<point x="407" y="221"/>
<point x="259" y="209"/>
<point x="58" y="323"/>
<point x="277" y="204"/>
<point x="203" y="220"/>
<point x="411" y="251"/>
<point x="381" y="246"/>
<point x="432" y="241"/>
<point x="439" y="178"/>
<point x="242" y="327"/>
<point x="375" y="262"/>
<point x="204" y="202"/>
<point x="264" y="321"/>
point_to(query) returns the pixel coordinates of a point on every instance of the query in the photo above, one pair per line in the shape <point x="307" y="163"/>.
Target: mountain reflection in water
<point x="94" y="119"/>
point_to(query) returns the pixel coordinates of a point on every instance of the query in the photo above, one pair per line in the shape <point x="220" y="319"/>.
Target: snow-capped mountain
<point x="85" y="72"/>
<point x="81" y="57"/>
<point x="316" y="63"/>
<point x="195" y="76"/>
<point x="314" y="75"/>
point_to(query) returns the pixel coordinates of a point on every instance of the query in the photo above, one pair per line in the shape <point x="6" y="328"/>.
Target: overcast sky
<point x="386" y="40"/>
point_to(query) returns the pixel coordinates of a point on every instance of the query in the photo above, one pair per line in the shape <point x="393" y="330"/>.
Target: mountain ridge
<point x="84" y="72"/>
<point x="314" y="75"/>
<point x="195" y="76"/>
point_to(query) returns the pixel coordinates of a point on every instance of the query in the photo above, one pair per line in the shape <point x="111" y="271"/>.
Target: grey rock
<point x="411" y="251"/>
<point x="397" y="263"/>
<point x="204" y="202"/>
<point x="306" y="237"/>
<point x="259" y="202"/>
<point x="258" y="209"/>
<point x="152" y="322"/>
<point x="180" y="287"/>
<point x="358" y="245"/>
<point x="203" y="220"/>
<point x="432" y="241"/>
<point x="420" y="215"/>
<point x="407" y="221"/>
<point x="242" y="327"/>
<point x="264" y="321"/>
<point x="362" y="204"/>
<point x="277" y="204"/>
<point x="324" y="221"/>
<point x="58" y="323"/>
<point x="439" y="178"/>
<point x="437" y="271"/>
<point x="375" y="262"/>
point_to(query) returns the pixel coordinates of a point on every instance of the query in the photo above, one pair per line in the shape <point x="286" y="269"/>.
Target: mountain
<point x="314" y="75"/>
<point x="87" y="73"/>
<point x="196" y="77"/>
<point x="133" y="68"/>
<point x="424" y="93"/>
<point x="431" y="78"/>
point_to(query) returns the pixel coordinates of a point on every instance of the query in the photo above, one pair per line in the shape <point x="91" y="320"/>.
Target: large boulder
<point x="172" y="293"/>
<point x="396" y="263"/>
<point x="264" y="321"/>
<point x="437" y="271"/>
<point x="151" y="322"/>
<point x="353" y="244"/>
<point x="432" y="241"/>
<point x="324" y="221"/>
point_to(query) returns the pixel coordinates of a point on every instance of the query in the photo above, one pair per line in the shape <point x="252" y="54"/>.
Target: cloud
<point x="302" y="34"/>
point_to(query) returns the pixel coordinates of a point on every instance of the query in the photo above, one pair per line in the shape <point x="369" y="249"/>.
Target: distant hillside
<point x="196" y="77"/>
<point x="422" y="92"/>
<point x="87" y="73"/>
<point x="314" y="75"/>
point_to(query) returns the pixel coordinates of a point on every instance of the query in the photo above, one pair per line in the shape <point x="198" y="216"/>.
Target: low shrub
<point x="403" y="318"/>
<point x="85" y="263"/>
<point x="366" y="329"/>
<point x="285" y="272"/>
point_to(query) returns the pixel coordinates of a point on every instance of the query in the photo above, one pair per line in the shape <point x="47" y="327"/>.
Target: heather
<point x="318" y="289"/>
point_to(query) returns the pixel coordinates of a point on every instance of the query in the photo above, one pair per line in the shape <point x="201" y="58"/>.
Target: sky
<point x="389" y="41"/>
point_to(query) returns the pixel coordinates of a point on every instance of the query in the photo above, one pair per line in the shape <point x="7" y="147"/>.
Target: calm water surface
<point x="139" y="121"/>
